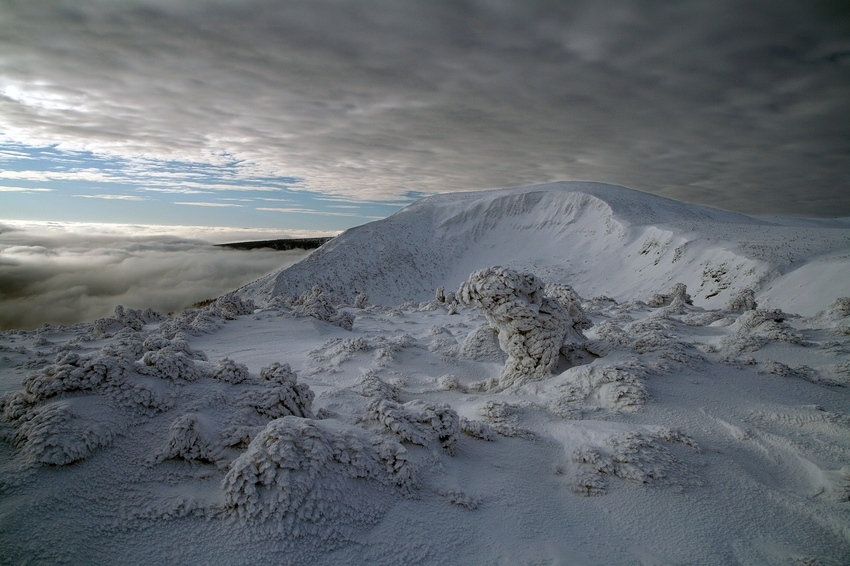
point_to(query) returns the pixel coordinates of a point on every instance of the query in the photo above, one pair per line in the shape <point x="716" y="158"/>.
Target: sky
<point x="311" y="116"/>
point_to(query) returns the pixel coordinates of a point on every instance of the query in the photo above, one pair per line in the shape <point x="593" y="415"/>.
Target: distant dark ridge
<point x="280" y="245"/>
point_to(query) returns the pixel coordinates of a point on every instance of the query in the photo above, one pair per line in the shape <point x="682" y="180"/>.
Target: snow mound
<point x="295" y="470"/>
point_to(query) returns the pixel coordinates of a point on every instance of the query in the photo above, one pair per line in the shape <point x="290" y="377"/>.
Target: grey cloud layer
<point x="740" y="104"/>
<point x="78" y="278"/>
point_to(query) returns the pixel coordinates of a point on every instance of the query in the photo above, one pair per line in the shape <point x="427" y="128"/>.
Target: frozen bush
<point x="295" y="470"/>
<point x="840" y="308"/>
<point x="449" y="382"/>
<point x="191" y="437"/>
<point x="229" y="371"/>
<point x="361" y="301"/>
<point x="231" y="305"/>
<point x="54" y="434"/>
<point x="477" y="429"/>
<point x="637" y="456"/>
<point x="282" y="396"/>
<point x="171" y="365"/>
<point x="417" y="422"/>
<point x="315" y="303"/>
<point x="370" y="385"/>
<point x="531" y="327"/>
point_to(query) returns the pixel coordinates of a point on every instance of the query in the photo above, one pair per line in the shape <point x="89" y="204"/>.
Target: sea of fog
<point x="66" y="277"/>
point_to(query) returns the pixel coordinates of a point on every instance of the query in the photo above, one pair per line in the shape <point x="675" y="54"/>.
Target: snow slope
<point x="660" y="425"/>
<point x="603" y="239"/>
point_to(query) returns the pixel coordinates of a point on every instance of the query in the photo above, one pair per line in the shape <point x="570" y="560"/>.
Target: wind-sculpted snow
<point x="532" y="327"/>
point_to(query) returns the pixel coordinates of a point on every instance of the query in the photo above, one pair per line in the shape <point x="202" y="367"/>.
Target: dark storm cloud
<point x="740" y="104"/>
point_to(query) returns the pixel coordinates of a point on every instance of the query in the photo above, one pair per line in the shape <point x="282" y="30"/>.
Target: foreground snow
<point x="662" y="427"/>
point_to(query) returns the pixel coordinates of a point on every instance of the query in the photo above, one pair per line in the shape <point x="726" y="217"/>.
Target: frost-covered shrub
<point x="448" y="299"/>
<point x="531" y="327"/>
<point x="677" y="297"/>
<point x="370" y="385"/>
<point x="417" y="422"/>
<point x="229" y="371"/>
<point x="744" y="301"/>
<point x="638" y="456"/>
<point x="282" y="396"/>
<point x="191" y="437"/>
<point x="295" y="470"/>
<point x="567" y="297"/>
<point x="54" y="434"/>
<point x="231" y="305"/>
<point x="72" y="372"/>
<point x="755" y="328"/>
<point x="361" y="301"/>
<point x="477" y="429"/>
<point x="339" y="350"/>
<point x="503" y="418"/>
<point x="840" y="308"/>
<point x="449" y="383"/>
<point x="315" y="303"/>
<point x="617" y="387"/>
<point x="171" y="365"/>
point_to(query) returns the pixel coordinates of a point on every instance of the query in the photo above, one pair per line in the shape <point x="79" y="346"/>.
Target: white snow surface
<point x="692" y="407"/>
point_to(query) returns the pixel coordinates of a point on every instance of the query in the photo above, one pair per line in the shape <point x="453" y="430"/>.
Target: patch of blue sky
<point x="49" y="183"/>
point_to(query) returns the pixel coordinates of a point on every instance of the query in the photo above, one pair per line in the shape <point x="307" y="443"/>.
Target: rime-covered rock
<point x="532" y="328"/>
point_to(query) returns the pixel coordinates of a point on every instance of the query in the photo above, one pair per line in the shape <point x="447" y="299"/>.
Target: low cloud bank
<point x="66" y="277"/>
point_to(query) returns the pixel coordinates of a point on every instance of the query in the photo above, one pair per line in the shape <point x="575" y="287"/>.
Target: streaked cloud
<point x="211" y="204"/>
<point x="735" y="103"/>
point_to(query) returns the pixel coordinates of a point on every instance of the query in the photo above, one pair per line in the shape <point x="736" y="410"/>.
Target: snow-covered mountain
<point x="601" y="239"/>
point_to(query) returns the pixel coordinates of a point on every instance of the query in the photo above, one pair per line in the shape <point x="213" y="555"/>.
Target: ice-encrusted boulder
<point x="532" y="328"/>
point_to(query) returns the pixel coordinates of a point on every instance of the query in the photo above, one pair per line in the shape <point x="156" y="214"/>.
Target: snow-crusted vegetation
<point x="466" y="424"/>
